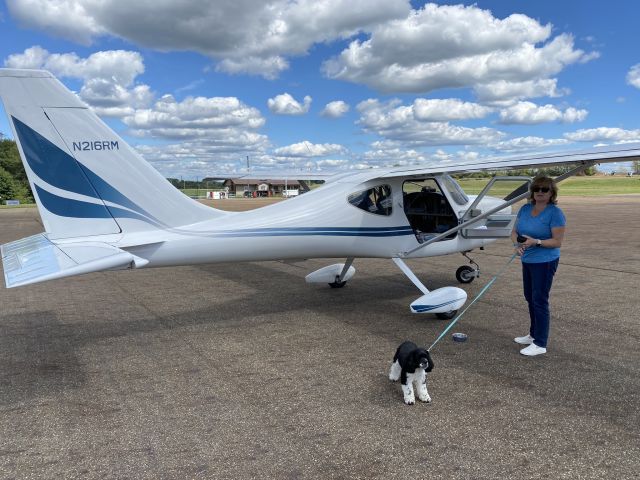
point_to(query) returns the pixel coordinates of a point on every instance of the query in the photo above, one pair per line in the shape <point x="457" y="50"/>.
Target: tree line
<point x="13" y="179"/>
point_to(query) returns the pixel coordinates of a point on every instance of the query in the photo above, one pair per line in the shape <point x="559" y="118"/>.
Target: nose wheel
<point x="467" y="273"/>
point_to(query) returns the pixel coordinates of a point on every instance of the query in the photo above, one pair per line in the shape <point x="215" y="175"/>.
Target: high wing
<point x="626" y="152"/>
<point x="285" y="174"/>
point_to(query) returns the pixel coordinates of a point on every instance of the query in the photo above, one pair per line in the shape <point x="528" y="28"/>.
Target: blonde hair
<point x="544" y="181"/>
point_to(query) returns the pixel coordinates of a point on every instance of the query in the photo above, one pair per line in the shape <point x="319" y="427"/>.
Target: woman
<point x="542" y="225"/>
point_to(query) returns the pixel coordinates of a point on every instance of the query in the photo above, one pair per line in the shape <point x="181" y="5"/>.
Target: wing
<point x="271" y="174"/>
<point x="626" y="152"/>
<point x="612" y="153"/>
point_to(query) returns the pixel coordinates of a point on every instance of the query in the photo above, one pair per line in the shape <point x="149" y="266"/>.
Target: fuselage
<point x="322" y="223"/>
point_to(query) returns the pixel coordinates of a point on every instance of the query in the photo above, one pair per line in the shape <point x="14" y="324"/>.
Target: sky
<point x="205" y="88"/>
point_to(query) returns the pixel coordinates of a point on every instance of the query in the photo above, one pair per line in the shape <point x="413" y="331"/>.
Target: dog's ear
<point x="413" y="359"/>
<point x="430" y="365"/>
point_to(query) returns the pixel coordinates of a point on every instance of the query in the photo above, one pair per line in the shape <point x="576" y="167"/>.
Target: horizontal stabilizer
<point x="36" y="259"/>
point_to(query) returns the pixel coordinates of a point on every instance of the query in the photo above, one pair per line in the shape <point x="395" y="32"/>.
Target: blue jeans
<point x="537" y="279"/>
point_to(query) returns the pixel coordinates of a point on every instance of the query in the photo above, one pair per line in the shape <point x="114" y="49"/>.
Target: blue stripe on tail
<point x="59" y="169"/>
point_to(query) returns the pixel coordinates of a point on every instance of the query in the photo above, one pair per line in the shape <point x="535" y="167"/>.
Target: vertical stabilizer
<point x="86" y="180"/>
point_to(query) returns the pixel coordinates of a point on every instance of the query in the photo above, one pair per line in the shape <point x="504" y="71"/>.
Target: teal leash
<point x="482" y="292"/>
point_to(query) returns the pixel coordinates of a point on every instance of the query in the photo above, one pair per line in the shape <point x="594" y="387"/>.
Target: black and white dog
<point x="411" y="364"/>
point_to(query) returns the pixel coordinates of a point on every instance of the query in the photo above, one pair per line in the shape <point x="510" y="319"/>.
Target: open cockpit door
<point x="499" y="224"/>
<point x="428" y="208"/>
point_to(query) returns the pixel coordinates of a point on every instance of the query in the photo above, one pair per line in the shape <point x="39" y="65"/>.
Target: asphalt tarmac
<point x="240" y="371"/>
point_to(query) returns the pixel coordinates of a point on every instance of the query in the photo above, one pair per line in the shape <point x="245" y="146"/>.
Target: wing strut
<point x="407" y="271"/>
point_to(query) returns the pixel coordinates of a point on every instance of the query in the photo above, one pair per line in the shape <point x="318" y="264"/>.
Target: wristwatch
<point x="538" y="243"/>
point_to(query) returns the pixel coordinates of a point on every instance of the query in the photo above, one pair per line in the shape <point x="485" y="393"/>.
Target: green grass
<point x="575" y="186"/>
<point x="22" y="205"/>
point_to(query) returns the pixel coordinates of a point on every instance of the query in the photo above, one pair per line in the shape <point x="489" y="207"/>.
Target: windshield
<point x="455" y="190"/>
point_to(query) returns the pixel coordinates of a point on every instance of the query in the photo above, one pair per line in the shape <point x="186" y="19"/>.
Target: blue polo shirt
<point x="539" y="227"/>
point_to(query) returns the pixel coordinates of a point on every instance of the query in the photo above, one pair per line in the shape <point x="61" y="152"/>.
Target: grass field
<point x="575" y="186"/>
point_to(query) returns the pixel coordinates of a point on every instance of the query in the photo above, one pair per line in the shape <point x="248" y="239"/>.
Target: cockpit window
<point x="376" y="200"/>
<point x="455" y="190"/>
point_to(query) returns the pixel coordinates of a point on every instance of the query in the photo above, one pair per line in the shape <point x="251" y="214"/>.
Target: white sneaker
<point x="526" y="340"/>
<point x="533" y="350"/>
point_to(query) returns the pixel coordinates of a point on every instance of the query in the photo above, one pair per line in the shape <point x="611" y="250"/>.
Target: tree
<point x="10" y="160"/>
<point x="11" y="165"/>
<point x="7" y="186"/>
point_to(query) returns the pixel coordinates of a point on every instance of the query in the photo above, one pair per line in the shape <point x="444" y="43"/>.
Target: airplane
<point x="104" y="207"/>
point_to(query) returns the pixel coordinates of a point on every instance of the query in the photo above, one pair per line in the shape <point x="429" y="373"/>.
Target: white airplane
<point x="104" y="207"/>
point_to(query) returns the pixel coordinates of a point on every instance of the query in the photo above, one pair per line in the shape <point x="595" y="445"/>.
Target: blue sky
<point x="338" y="84"/>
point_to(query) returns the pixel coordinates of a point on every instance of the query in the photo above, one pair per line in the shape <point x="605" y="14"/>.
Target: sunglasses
<point x="540" y="189"/>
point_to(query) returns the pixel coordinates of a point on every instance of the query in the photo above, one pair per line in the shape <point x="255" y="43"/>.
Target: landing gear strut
<point x="466" y="273"/>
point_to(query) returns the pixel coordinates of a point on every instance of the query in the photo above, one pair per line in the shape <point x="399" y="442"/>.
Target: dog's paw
<point x="425" y="398"/>
<point x="409" y="399"/>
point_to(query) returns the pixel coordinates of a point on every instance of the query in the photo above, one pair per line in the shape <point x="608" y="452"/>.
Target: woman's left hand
<point x="529" y="242"/>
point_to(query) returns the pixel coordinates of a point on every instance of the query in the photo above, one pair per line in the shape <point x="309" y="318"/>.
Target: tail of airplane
<point x="85" y="179"/>
<point x="87" y="182"/>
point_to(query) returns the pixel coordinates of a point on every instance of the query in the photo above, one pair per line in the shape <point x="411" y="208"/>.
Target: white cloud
<point x="527" y="143"/>
<point x="529" y="113"/>
<point x="248" y="36"/>
<point x="34" y="58"/>
<point x="335" y="109"/>
<point x="397" y="122"/>
<point x="604" y="134"/>
<point x="452" y="46"/>
<point x="506" y="92"/>
<point x="390" y="153"/>
<point x="308" y="149"/>
<point x="332" y="164"/>
<point x="285" y="104"/>
<point x="197" y="159"/>
<point x="108" y="76"/>
<point x="66" y="18"/>
<point x="120" y="65"/>
<point x="633" y="76"/>
<point x="216" y="119"/>
<point x="270" y="67"/>
<point x="442" y="110"/>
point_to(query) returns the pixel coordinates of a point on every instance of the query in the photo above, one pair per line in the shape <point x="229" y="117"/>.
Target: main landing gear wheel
<point x="465" y="274"/>
<point x="337" y="283"/>
<point x="447" y="315"/>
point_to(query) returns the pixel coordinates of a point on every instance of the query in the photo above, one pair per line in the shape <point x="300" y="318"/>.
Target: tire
<point x="337" y="284"/>
<point x="465" y="274"/>
<point x="447" y="315"/>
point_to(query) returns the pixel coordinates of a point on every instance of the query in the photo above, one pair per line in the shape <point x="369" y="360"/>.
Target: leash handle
<point x="484" y="289"/>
